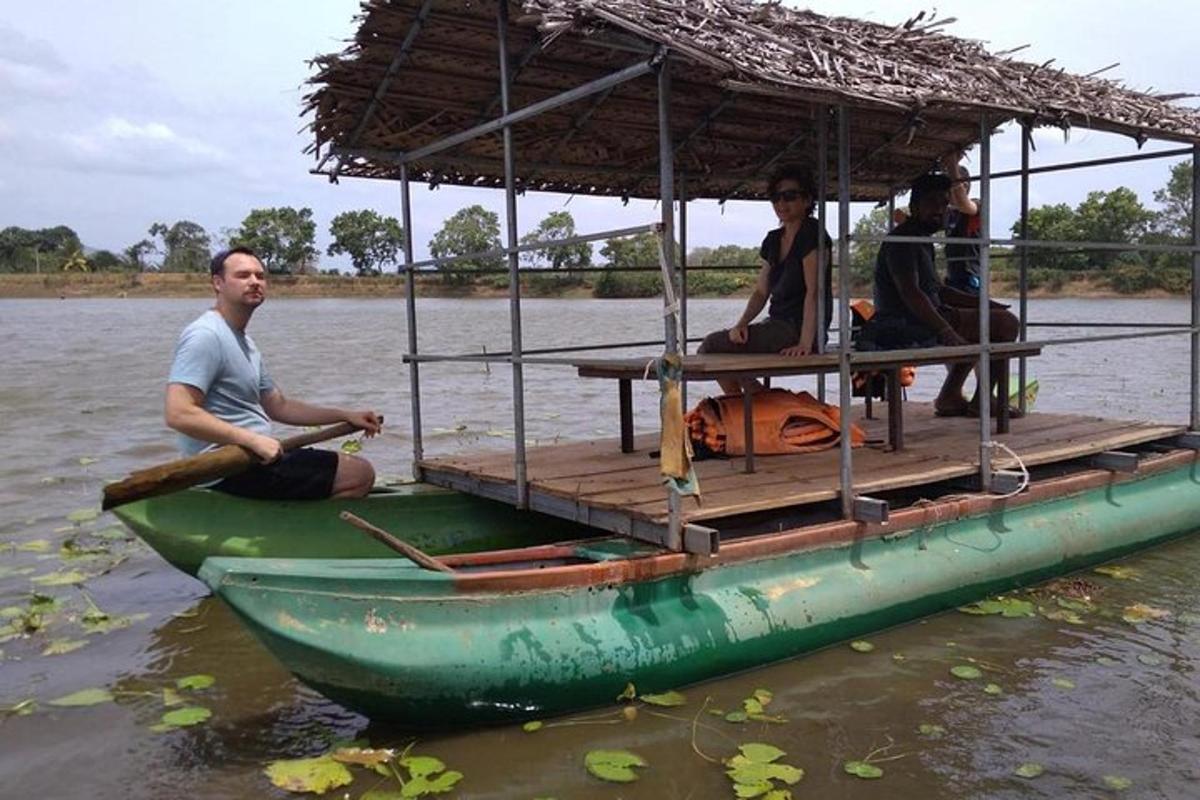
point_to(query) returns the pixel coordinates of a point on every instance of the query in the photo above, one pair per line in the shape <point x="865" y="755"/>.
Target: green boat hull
<point x="189" y="526"/>
<point x="394" y="641"/>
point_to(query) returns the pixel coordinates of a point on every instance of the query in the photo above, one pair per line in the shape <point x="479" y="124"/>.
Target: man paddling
<point x="220" y="393"/>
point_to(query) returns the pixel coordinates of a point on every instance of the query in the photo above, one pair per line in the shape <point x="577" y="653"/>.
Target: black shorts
<point x="304" y="474"/>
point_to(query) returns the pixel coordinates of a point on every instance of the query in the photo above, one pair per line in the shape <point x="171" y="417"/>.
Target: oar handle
<point x="418" y="557"/>
<point x="210" y="466"/>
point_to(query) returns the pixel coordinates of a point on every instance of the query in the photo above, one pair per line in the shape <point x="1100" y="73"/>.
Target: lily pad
<point x="667" y="699"/>
<point x="861" y="646"/>
<point x="317" y="775"/>
<point x="420" y="786"/>
<point x="993" y="689"/>
<point x="1117" y="571"/>
<point x="195" y="682"/>
<point x="107" y="624"/>
<point x="532" y="726"/>
<point x="1004" y="606"/>
<point x="87" y="460"/>
<point x="629" y="693"/>
<point x="931" y="730"/>
<point x="763" y="696"/>
<point x="363" y="756"/>
<point x="83" y="515"/>
<point x="352" y="446"/>
<point x="861" y="769"/>
<point x="1105" y="661"/>
<point x="186" y="716"/>
<point x="62" y="578"/>
<point x="761" y="753"/>
<point x="84" y="697"/>
<point x="60" y="646"/>
<point x="1063" y="683"/>
<point x="614" y="765"/>
<point x="966" y="672"/>
<point x="35" y="546"/>
<point x="170" y="697"/>
<point x="737" y="716"/>
<point x="1140" y="612"/>
<point x="1030" y="769"/>
<point x="1117" y="782"/>
<point x="1149" y="659"/>
<point x="422" y="766"/>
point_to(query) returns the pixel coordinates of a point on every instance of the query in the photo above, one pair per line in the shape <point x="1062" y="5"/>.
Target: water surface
<point x="83" y="379"/>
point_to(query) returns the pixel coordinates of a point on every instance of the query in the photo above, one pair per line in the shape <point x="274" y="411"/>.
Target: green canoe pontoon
<point x="188" y="527"/>
<point x="552" y="629"/>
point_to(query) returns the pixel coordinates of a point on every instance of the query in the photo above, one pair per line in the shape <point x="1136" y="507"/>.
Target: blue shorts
<point x="304" y="474"/>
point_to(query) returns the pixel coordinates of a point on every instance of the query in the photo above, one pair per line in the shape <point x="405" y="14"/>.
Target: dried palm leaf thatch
<point x="751" y="84"/>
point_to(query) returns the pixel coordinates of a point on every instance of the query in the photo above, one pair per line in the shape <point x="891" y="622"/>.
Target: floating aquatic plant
<point x="614" y="765"/>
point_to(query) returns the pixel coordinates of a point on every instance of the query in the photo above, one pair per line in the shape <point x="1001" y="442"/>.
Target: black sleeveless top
<point x="786" y="278"/>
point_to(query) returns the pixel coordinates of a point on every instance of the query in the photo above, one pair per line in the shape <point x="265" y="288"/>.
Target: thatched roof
<point x="748" y="80"/>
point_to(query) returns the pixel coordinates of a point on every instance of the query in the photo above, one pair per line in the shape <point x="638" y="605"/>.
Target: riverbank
<point x="175" y="284"/>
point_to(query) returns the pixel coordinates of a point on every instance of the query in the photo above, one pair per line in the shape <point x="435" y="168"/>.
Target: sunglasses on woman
<point x="786" y="196"/>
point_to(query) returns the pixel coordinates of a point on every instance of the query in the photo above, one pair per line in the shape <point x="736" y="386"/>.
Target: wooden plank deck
<point x="593" y="481"/>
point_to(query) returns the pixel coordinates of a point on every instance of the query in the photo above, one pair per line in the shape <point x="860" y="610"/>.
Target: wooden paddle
<point x="418" y="557"/>
<point x="211" y="466"/>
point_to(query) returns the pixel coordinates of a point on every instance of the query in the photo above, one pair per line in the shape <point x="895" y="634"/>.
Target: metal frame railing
<point x="675" y="338"/>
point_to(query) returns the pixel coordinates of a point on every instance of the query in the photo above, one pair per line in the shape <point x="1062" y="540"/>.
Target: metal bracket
<point x="701" y="540"/>
<point x="870" y="509"/>
<point x="1006" y="481"/>
<point x="1188" y="441"/>
<point x="1116" y="461"/>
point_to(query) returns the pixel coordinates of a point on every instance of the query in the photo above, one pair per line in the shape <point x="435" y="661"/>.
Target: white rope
<point x="670" y="302"/>
<point x="1024" y="470"/>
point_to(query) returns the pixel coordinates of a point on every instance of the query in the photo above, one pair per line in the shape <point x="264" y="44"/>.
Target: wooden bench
<point x="749" y="367"/>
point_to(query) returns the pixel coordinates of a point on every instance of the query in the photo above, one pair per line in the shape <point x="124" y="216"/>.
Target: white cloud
<point x="30" y="67"/>
<point x="118" y="145"/>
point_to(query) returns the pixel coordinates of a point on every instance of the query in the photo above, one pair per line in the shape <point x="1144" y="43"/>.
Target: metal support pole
<point x="1195" y="416"/>
<point x="666" y="186"/>
<point x="410" y="291"/>
<point x="847" y="476"/>
<point x="983" y="390"/>
<point x="1023" y="275"/>
<point x="683" y="265"/>
<point x="514" y="277"/>
<point x="891" y="212"/>
<point x="822" y="249"/>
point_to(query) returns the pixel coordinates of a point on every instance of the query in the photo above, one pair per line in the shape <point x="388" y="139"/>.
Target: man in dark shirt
<point x="914" y="309"/>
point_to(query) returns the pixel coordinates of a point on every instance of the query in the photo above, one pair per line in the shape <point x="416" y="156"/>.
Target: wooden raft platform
<point x="595" y="483"/>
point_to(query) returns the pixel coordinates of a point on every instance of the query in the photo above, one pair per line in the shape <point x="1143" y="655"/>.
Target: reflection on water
<point x="83" y="380"/>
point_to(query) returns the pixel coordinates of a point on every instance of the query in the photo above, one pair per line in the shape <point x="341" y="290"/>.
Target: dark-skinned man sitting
<point x="914" y="309"/>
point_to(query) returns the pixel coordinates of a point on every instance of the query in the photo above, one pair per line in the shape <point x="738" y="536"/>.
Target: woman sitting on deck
<point x="788" y="278"/>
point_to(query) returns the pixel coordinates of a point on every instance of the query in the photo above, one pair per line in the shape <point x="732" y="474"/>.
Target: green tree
<point x="731" y="255"/>
<point x="473" y="229"/>
<point x="42" y="250"/>
<point x="106" y="261"/>
<point x="138" y="255"/>
<point x="862" y="254"/>
<point x="557" y="225"/>
<point x="1057" y="223"/>
<point x="640" y="250"/>
<point x="1175" y="217"/>
<point x="371" y="240"/>
<point x="186" y="246"/>
<point x="284" y="238"/>
<point x="1116" y="216"/>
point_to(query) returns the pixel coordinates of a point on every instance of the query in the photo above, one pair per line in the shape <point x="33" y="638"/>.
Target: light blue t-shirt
<point x="228" y="368"/>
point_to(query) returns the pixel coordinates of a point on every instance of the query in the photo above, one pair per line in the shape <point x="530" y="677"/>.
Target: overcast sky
<point x="119" y="114"/>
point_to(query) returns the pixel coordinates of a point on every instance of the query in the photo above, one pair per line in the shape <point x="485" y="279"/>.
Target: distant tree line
<point x="1117" y="217"/>
<point x="285" y="239"/>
